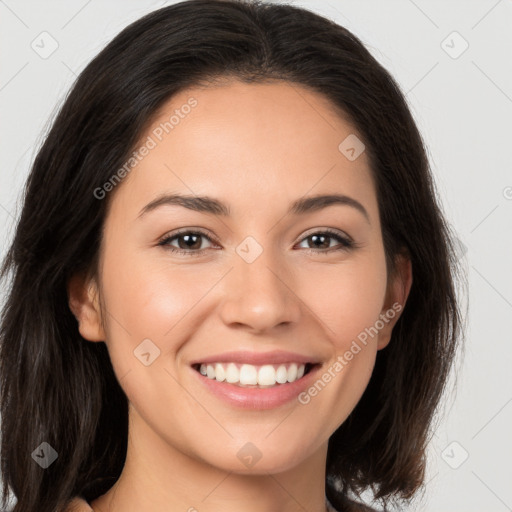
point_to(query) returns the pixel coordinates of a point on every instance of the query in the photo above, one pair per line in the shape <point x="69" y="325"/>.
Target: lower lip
<point x="258" y="398"/>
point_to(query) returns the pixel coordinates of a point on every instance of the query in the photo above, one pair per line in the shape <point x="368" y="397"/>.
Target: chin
<point x="257" y="458"/>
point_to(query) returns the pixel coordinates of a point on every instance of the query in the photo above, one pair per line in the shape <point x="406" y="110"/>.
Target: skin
<point x="256" y="147"/>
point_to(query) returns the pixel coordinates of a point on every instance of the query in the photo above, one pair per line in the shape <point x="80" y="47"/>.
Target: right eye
<point x="191" y="242"/>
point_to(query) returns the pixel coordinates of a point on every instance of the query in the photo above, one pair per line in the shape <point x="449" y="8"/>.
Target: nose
<point x="260" y="295"/>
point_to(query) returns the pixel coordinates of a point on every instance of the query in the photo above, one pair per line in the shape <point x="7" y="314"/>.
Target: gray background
<point x="462" y="102"/>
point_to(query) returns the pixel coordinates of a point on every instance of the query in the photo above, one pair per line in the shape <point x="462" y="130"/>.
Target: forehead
<point x="251" y="144"/>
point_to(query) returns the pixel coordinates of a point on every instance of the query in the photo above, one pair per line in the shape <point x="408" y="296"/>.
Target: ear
<point x="83" y="302"/>
<point x="399" y="286"/>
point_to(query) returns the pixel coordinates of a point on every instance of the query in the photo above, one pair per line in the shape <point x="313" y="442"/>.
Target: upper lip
<point x="257" y="358"/>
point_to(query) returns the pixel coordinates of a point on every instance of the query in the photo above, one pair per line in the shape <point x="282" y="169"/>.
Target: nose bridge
<point x="259" y="293"/>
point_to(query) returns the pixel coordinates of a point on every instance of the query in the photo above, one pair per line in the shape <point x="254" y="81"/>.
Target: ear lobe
<point x="83" y="303"/>
<point x="397" y="292"/>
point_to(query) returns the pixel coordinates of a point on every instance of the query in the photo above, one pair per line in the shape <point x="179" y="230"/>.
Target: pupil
<point x="188" y="239"/>
<point x="190" y="243"/>
<point x="316" y="237"/>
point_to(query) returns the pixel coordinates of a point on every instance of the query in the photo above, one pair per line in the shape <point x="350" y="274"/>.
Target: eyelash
<point x="346" y="244"/>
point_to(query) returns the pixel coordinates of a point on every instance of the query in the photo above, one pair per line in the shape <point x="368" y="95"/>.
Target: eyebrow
<point x="213" y="206"/>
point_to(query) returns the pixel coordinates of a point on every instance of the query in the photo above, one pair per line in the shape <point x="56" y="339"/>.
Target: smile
<point x="256" y="376"/>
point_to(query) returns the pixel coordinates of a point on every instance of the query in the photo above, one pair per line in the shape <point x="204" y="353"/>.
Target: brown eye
<point x="321" y="240"/>
<point x="189" y="242"/>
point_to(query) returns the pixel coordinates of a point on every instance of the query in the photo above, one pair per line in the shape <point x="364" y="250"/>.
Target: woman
<point x="232" y="284"/>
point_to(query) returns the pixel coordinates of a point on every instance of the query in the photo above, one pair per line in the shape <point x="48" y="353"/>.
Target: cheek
<point x="349" y="305"/>
<point x="155" y="299"/>
<point x="168" y="303"/>
<point x="152" y="312"/>
<point x="151" y="298"/>
<point x="349" y="299"/>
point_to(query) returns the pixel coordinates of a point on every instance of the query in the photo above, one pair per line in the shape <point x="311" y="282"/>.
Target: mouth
<point x="255" y="376"/>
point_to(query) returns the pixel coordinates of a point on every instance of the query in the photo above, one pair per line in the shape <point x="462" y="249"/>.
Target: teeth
<point x="282" y="374"/>
<point x="220" y="374"/>
<point x="266" y="375"/>
<point x="232" y="373"/>
<point x="249" y="375"/>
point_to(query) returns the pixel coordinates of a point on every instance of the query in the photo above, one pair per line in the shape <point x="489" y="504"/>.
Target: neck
<point x="159" y="477"/>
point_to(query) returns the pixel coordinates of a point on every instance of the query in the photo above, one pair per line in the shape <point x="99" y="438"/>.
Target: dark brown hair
<point x="57" y="388"/>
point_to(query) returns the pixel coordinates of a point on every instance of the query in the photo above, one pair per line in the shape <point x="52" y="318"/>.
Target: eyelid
<point x="327" y="230"/>
<point x="199" y="231"/>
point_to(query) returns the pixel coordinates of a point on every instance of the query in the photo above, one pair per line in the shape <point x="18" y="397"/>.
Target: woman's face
<point x="260" y="291"/>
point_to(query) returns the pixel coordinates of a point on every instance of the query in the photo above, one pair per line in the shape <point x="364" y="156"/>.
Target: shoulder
<point x="359" y="507"/>
<point x="351" y="506"/>
<point x="78" y="504"/>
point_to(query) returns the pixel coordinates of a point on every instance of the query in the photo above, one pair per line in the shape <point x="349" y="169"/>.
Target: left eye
<point x="189" y="242"/>
<point x="320" y="236"/>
